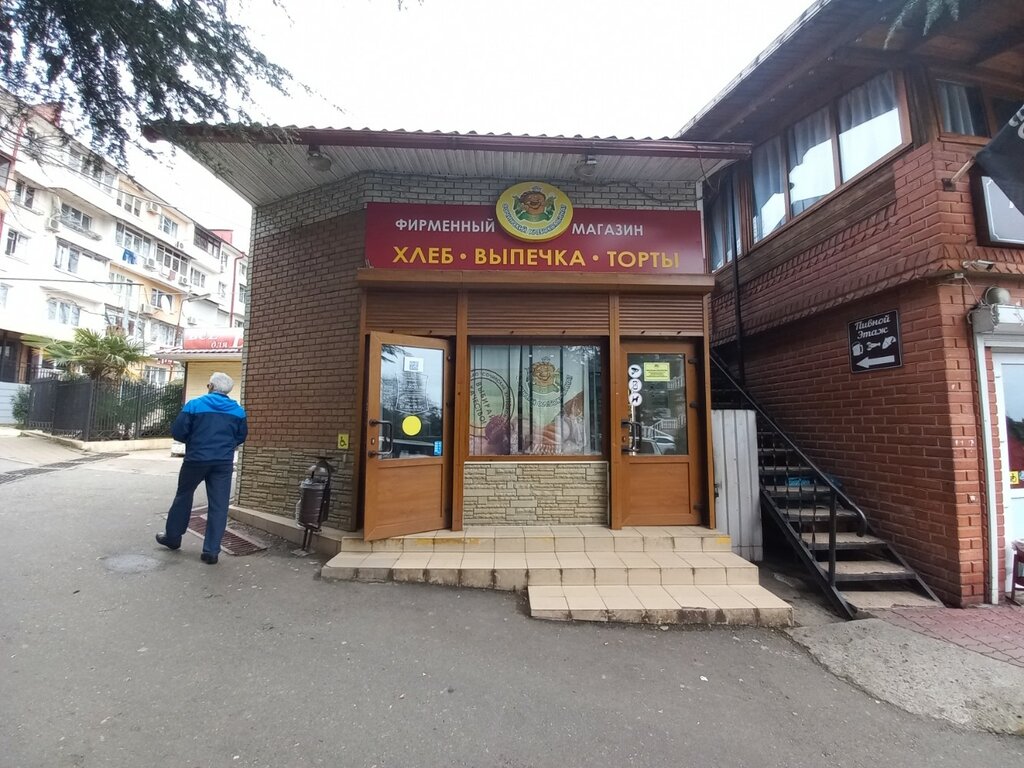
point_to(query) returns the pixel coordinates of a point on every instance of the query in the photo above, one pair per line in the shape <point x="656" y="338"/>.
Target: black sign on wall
<point x="875" y="342"/>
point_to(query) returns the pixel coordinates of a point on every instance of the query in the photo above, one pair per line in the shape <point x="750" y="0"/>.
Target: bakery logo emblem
<point x="534" y="211"/>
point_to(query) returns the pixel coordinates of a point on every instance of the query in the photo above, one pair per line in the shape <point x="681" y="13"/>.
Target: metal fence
<point x="103" y="410"/>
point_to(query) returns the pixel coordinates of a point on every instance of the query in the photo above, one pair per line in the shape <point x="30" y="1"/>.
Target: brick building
<point x="843" y="222"/>
<point x="455" y="373"/>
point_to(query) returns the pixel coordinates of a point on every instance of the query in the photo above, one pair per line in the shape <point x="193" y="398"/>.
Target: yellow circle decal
<point x="534" y="211"/>
<point x="411" y="425"/>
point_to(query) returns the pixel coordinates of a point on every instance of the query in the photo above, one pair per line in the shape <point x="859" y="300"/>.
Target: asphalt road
<point x="116" y="652"/>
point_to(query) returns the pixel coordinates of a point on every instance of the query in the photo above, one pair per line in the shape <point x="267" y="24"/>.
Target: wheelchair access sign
<point x="875" y="342"/>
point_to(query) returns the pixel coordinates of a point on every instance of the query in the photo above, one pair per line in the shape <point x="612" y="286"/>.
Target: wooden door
<point x="659" y="440"/>
<point x="408" y="443"/>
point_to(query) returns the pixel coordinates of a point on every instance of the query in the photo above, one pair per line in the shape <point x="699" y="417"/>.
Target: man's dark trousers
<point x="218" y="491"/>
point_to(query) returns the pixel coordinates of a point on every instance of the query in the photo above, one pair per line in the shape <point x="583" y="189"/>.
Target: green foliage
<point x="19" y="406"/>
<point x="933" y="11"/>
<point x="124" y="62"/>
<point x="168" y="407"/>
<point x="96" y="356"/>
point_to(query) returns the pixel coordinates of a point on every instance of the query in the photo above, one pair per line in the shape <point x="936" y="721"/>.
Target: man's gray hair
<point x="221" y="382"/>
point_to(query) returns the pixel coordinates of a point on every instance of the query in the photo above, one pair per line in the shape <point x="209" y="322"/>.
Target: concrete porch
<point x="656" y="575"/>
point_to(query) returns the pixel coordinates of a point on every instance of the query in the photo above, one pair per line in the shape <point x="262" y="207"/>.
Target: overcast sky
<point x="565" y="67"/>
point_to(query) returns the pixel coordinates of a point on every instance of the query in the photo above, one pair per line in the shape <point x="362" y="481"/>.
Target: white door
<point x="1009" y="375"/>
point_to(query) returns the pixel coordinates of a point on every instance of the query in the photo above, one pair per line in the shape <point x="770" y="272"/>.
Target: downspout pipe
<point x="981" y="366"/>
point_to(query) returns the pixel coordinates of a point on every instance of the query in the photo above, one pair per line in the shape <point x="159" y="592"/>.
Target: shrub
<point x="20" y="403"/>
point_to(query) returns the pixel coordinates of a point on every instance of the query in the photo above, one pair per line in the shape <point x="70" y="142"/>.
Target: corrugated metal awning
<point x="269" y="164"/>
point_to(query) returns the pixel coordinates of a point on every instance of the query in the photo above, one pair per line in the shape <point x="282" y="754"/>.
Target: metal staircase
<point x="857" y="570"/>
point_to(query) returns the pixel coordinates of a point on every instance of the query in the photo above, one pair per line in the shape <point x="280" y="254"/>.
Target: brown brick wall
<point x="301" y="357"/>
<point x="904" y="441"/>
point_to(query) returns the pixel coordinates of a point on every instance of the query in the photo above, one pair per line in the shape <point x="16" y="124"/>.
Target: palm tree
<point x="100" y="357"/>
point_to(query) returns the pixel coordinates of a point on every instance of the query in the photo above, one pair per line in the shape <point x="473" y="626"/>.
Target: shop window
<point x="723" y="224"/>
<point x="869" y="124"/>
<point x="536" y="400"/>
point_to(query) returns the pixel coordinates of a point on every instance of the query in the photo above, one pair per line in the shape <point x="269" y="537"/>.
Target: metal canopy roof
<point x="265" y="165"/>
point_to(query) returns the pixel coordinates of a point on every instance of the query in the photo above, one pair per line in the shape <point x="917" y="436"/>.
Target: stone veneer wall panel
<point x="301" y="354"/>
<point x="535" y="493"/>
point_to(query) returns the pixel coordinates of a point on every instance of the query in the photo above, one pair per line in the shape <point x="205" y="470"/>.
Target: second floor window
<point x="197" y="278"/>
<point x="794" y="170"/>
<point x="75" y="218"/>
<point x="62" y="312"/>
<point x="723" y="224"/>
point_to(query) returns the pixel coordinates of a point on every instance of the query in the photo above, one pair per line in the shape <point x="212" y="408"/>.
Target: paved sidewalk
<point x="996" y="631"/>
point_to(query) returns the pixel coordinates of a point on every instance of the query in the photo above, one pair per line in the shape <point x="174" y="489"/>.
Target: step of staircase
<point x="869" y="570"/>
<point x="845" y="540"/>
<point x="865" y="600"/>
<point x="642" y="567"/>
<point x="748" y="605"/>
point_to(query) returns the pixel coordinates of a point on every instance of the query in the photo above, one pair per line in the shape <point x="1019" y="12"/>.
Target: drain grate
<point x="233" y="542"/>
<point x="17" y="474"/>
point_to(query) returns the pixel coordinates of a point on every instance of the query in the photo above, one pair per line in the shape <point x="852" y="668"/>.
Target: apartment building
<point x="85" y="245"/>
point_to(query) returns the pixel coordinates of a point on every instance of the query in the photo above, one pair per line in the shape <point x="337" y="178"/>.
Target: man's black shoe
<point x="208" y="559"/>
<point x="162" y="540"/>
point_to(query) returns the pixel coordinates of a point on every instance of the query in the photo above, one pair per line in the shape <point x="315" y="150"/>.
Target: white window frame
<point x="24" y="194"/>
<point x="14" y="239"/>
<point x="75" y="218"/>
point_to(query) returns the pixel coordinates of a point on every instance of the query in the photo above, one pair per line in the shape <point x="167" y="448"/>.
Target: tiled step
<point x="747" y="605"/>
<point x="551" y="539"/>
<point x="518" y="570"/>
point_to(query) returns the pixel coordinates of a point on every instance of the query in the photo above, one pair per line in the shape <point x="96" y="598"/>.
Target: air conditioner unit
<point x="149" y="263"/>
<point x="180" y="245"/>
<point x="147" y="309"/>
<point x="53" y="223"/>
<point x="153" y="207"/>
<point x="183" y="281"/>
<point x="192" y="320"/>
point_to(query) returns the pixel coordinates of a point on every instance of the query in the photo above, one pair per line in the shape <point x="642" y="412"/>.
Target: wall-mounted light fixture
<point x="317" y="159"/>
<point x="995" y="295"/>
<point x="587" y="168"/>
<point x="979" y="265"/>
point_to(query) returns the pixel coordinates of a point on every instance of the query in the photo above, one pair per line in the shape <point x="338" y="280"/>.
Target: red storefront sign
<point x="467" y="237"/>
<point x="213" y="339"/>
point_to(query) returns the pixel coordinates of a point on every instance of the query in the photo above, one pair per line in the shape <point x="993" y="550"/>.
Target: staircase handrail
<point x="862" y="521"/>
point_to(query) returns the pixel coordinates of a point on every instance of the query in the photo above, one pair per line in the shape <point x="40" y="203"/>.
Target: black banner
<point x="1002" y="159"/>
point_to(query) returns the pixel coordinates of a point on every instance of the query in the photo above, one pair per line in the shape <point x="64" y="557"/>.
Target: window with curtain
<point x="802" y="160"/>
<point x="961" y="109"/>
<point x="535" y="399"/>
<point x="723" y="225"/>
<point x="812" y="173"/>
<point x="869" y="124"/>
<point x="769" y="169"/>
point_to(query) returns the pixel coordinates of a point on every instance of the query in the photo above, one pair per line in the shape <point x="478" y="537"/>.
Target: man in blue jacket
<point x="211" y="427"/>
